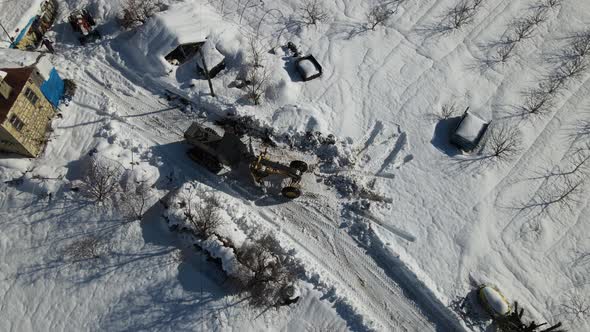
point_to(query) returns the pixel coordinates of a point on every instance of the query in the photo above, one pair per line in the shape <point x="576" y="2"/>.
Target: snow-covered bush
<point x="137" y="12"/>
<point x="273" y="270"/>
<point x="134" y="200"/>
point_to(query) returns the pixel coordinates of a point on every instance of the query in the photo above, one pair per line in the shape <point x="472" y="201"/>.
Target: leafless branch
<point x="205" y="218"/>
<point x="101" y="179"/>
<point x="378" y="15"/>
<point x="313" y="12"/>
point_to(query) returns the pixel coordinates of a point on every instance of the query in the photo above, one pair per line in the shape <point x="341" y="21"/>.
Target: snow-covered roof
<point x="11" y="58"/>
<point x="471" y="127"/>
<point x="308" y="68"/>
<point x="212" y="56"/>
<point x="180" y="24"/>
<point x="2" y="75"/>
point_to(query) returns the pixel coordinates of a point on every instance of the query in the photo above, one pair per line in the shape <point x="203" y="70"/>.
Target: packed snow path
<point x="311" y="225"/>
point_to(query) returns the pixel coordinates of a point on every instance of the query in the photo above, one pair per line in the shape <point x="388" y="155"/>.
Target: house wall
<point x="30" y="139"/>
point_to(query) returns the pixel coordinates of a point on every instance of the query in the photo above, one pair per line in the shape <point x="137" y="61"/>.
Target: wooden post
<point x="207" y="72"/>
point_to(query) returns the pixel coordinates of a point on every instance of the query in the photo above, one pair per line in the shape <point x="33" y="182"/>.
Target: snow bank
<point x="180" y="24"/>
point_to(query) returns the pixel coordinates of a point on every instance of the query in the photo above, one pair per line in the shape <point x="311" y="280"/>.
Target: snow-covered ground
<point x="442" y="224"/>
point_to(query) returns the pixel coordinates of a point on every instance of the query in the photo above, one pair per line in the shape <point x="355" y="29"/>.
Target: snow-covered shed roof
<point x="471" y="127"/>
<point x="181" y="24"/>
<point x="2" y="75"/>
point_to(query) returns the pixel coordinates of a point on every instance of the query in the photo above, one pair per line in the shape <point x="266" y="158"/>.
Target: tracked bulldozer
<point x="216" y="149"/>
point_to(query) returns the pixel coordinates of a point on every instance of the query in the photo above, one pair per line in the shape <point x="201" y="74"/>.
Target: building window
<point x="31" y="96"/>
<point x="16" y="122"/>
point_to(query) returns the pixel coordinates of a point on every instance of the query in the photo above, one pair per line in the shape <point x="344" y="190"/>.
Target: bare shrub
<point x="504" y="142"/>
<point x="576" y="308"/>
<point x="205" y="218"/>
<point x="257" y="82"/>
<point x="378" y="15"/>
<point x="137" y="12"/>
<point x="448" y="111"/>
<point x="134" y="200"/>
<point x="256" y="51"/>
<point x="101" y="179"/>
<point x="87" y="248"/>
<point x="513" y="322"/>
<point x="273" y="270"/>
<point x="313" y="12"/>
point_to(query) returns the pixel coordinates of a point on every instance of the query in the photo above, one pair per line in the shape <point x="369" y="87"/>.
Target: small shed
<point x="308" y="67"/>
<point x="469" y="131"/>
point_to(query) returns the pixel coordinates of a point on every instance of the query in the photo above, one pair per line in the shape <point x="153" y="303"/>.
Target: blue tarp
<point x="53" y="88"/>
<point x="23" y="32"/>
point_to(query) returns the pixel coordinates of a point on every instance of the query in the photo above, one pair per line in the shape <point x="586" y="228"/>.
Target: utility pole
<point x="6" y="32"/>
<point x="207" y="72"/>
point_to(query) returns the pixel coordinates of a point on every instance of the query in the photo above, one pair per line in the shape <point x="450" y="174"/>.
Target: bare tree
<point x="576" y="308"/>
<point x="460" y="15"/>
<point x="90" y="247"/>
<point x="134" y="200"/>
<point x="273" y="270"/>
<point x="205" y="219"/>
<point x="101" y="179"/>
<point x="313" y="12"/>
<point x="378" y="15"/>
<point x="137" y="12"/>
<point x="537" y="102"/>
<point x="504" y="142"/>
<point x="256" y="83"/>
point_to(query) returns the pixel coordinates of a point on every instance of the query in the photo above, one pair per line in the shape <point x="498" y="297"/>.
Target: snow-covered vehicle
<point x="214" y="150"/>
<point x="469" y="131"/>
<point x="83" y="23"/>
<point x="308" y="67"/>
<point x="493" y="301"/>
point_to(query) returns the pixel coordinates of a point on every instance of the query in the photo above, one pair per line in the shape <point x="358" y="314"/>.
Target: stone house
<point x="25" y="110"/>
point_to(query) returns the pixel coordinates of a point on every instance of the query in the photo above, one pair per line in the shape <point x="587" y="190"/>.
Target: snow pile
<point x="211" y="54"/>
